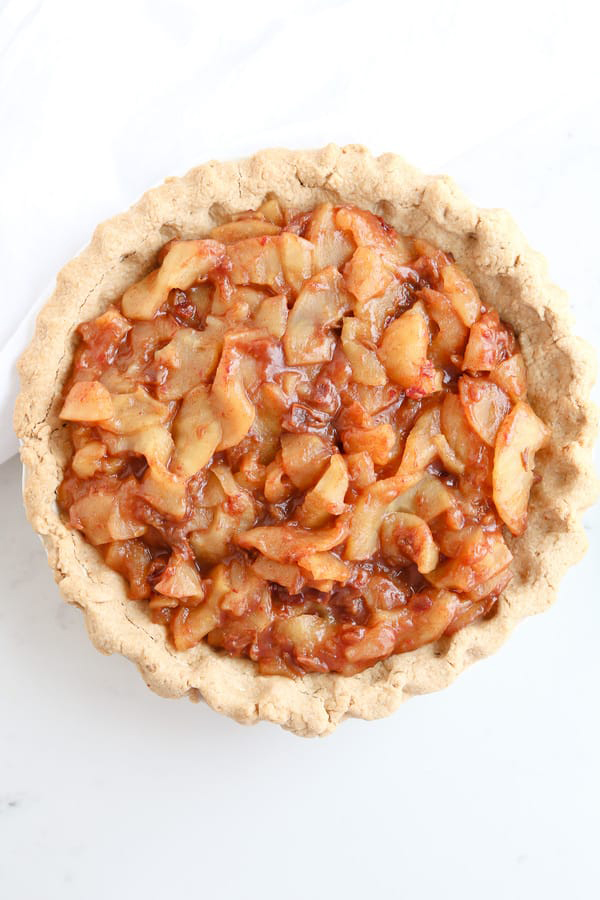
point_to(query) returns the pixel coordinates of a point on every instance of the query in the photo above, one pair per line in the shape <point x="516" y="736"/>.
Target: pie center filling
<point x="301" y="439"/>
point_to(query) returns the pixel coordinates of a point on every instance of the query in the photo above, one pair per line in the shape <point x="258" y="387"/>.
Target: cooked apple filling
<point x="300" y="439"/>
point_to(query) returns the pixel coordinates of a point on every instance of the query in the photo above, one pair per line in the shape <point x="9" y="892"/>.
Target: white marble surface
<point x="490" y="789"/>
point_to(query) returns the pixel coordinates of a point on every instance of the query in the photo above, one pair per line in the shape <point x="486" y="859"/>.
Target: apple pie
<point x="305" y="434"/>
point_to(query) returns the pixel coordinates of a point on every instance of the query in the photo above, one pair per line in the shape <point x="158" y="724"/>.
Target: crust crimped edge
<point x="509" y="275"/>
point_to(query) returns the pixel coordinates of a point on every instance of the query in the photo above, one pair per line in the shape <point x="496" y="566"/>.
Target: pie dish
<point x="323" y="290"/>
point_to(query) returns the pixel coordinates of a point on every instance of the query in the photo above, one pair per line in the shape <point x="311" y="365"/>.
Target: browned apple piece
<point x="278" y="486"/>
<point x="368" y="273"/>
<point x="379" y="442"/>
<point x="404" y="536"/>
<point x="257" y="261"/>
<point x="134" y="412"/>
<point x="191" y="358"/>
<point x="155" y="443"/>
<point x="361" y="471"/>
<point x="332" y="246"/>
<point x="305" y="632"/>
<point x="191" y="625"/>
<point x="289" y="543"/>
<point x="87" y="401"/>
<point x="327" y="497"/>
<point x="428" y="498"/>
<point x="492" y="587"/>
<point x="99" y="515"/>
<point x="404" y="349"/>
<point x="520" y="436"/>
<point x="424" y="619"/>
<point x="296" y="259"/>
<point x="132" y="560"/>
<point x="201" y="296"/>
<point x="272" y="315"/>
<point x="370" y="509"/>
<point x="266" y="431"/>
<point x="485" y="405"/>
<point x="242" y="296"/>
<point x="319" y="306"/>
<point x="511" y="376"/>
<point x="368" y="230"/>
<point x="185" y="262"/>
<point x="165" y="491"/>
<point x="448" y="457"/>
<point x="366" y="368"/>
<point x="88" y="458"/>
<point x="230" y="401"/>
<point x="271" y="210"/>
<point x="481" y="558"/>
<point x="376" y="643"/>
<point x="489" y="344"/>
<point x="288" y="575"/>
<point x="375" y="312"/>
<point x="450" y="341"/>
<point x="465" y="443"/>
<point x="243" y="228"/>
<point x="211" y="544"/>
<point x="304" y="458"/>
<point x="419" y="449"/>
<point x="235" y="513"/>
<point x="462" y="294"/>
<point x="180" y="579"/>
<point x="196" y="432"/>
<point x="325" y="566"/>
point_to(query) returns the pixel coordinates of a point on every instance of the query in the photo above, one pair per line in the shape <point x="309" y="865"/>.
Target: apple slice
<point x="465" y="443"/>
<point x="180" y="579"/>
<point x="489" y="343"/>
<point x="325" y="566"/>
<point x="379" y="442"/>
<point x="88" y="459"/>
<point x="319" y="306"/>
<point x="333" y="247"/>
<point x="366" y="368"/>
<point x="520" y="436"/>
<point x="481" y="557"/>
<point x="288" y="575"/>
<point x="234" y="410"/>
<point x="243" y="228"/>
<point x="485" y="406"/>
<point x="135" y="411"/>
<point x="404" y="536"/>
<point x="185" y="263"/>
<point x="196" y="431"/>
<point x="511" y="376"/>
<point x="304" y="458"/>
<point x="190" y="358"/>
<point x="420" y="449"/>
<point x="272" y="315"/>
<point x="462" y="294"/>
<point x="296" y="259"/>
<point x="87" y="401"/>
<point x="327" y="497"/>
<point x="451" y="338"/>
<point x="368" y="273"/>
<point x="289" y="543"/>
<point x="404" y="349"/>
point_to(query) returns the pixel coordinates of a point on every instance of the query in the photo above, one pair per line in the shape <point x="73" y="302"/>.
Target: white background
<point x="490" y="789"/>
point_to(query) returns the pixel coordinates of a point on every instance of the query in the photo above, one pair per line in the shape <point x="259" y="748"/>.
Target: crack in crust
<point x="508" y="274"/>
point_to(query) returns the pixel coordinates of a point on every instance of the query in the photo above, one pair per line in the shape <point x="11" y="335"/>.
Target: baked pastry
<point x="304" y="439"/>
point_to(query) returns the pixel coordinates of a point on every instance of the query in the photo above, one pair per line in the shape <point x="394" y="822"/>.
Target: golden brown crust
<point x="509" y="275"/>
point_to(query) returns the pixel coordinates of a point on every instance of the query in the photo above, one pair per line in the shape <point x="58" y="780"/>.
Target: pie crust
<point x="509" y="276"/>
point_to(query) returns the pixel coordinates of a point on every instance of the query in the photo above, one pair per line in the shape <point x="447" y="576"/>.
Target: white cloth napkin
<point x="99" y="101"/>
